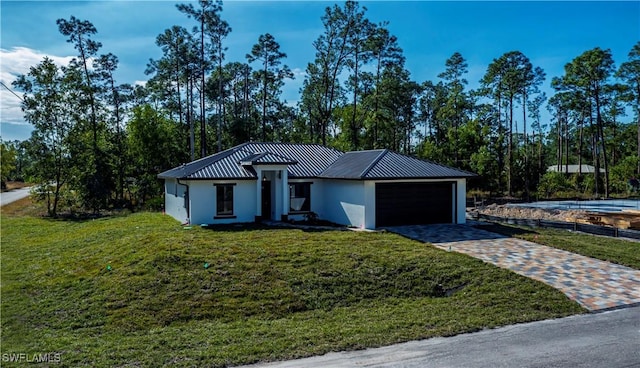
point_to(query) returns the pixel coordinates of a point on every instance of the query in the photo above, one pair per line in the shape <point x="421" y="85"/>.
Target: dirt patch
<point x="530" y="213"/>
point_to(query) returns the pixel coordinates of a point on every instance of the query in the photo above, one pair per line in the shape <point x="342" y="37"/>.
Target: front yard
<point x="141" y="290"/>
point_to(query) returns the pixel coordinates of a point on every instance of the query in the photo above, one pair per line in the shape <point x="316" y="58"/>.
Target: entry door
<point x="266" y="200"/>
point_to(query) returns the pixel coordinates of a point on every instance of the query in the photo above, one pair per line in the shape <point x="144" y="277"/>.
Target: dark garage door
<point x="414" y="203"/>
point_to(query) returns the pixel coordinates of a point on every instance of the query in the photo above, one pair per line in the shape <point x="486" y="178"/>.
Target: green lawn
<point x="624" y="252"/>
<point x="267" y="294"/>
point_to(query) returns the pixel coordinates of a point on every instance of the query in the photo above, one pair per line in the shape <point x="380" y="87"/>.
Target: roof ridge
<point x="373" y="163"/>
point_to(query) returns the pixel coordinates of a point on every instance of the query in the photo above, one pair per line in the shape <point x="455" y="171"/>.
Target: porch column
<point x="285" y="194"/>
<point x="258" y="195"/>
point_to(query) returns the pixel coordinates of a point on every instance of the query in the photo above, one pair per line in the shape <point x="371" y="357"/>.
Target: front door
<point x="266" y="200"/>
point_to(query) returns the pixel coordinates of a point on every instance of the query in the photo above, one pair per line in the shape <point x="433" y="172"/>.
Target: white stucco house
<point x="281" y="181"/>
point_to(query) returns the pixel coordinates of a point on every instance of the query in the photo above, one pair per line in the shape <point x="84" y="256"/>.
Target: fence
<point x="574" y="226"/>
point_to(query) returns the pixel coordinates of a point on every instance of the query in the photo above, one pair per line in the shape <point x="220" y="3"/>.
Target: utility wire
<point x="10" y="90"/>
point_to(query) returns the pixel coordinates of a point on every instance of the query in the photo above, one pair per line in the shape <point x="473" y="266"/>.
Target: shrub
<point x="552" y="183"/>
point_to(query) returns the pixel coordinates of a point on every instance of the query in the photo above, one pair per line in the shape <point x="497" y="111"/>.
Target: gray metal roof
<point x="388" y="165"/>
<point x="392" y="165"/>
<point x="305" y="160"/>
<point x="267" y="158"/>
<point x="311" y="161"/>
<point x="352" y="165"/>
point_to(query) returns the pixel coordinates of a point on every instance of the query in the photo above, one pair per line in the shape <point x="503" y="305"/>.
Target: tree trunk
<point x="354" y="132"/>
<point x="264" y="102"/>
<point x="602" y="143"/>
<point x="221" y="114"/>
<point x="510" y="148"/>
<point x="203" y="129"/>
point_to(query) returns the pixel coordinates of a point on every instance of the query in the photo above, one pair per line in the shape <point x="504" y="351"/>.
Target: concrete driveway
<point x="596" y="285"/>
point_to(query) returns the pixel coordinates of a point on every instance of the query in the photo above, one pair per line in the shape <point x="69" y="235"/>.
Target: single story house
<point x="572" y="169"/>
<point x="281" y="181"/>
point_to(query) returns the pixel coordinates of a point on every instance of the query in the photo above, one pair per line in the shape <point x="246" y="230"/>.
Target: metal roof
<point x="388" y="165"/>
<point x="392" y="165"/>
<point x="572" y="169"/>
<point x="267" y="158"/>
<point x="311" y="161"/>
<point x="305" y="160"/>
<point x="352" y="165"/>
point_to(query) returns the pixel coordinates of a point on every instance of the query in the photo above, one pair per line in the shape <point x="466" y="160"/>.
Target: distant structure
<point x="572" y="169"/>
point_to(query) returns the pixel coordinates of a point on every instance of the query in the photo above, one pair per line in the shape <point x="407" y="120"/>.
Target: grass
<point x="623" y="252"/>
<point x="267" y="294"/>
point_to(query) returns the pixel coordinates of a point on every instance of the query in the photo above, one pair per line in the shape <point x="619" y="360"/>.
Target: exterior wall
<point x="462" y="201"/>
<point x="203" y="202"/>
<point x="174" y="200"/>
<point x="344" y="202"/>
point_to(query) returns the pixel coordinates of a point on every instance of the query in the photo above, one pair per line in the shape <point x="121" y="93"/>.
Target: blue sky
<point x="550" y="33"/>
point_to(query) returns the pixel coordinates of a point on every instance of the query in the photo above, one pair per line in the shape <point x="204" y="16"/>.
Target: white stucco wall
<point x="174" y="201"/>
<point x="344" y="202"/>
<point x="203" y="201"/>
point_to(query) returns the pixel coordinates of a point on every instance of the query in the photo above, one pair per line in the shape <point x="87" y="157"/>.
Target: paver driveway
<point x="596" y="285"/>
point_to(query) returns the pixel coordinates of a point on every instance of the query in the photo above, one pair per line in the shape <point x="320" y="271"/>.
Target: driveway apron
<point x="594" y="284"/>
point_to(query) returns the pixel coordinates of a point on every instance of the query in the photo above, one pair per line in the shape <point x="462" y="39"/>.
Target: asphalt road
<point x="609" y="339"/>
<point x="14" y="195"/>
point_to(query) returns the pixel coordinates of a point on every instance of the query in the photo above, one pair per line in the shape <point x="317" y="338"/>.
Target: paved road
<point x="14" y="195"/>
<point x="597" y="285"/>
<point x="609" y="339"/>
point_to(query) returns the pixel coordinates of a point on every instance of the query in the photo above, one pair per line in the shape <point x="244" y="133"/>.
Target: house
<point x="572" y="169"/>
<point x="281" y="181"/>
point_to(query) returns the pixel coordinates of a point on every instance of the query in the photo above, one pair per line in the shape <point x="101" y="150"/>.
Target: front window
<point x="300" y="197"/>
<point x="224" y="200"/>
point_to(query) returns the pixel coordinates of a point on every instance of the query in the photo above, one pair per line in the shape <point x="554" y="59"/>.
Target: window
<point x="300" y="197"/>
<point x="224" y="200"/>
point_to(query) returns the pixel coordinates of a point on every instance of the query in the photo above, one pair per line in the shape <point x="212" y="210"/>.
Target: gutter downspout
<point x="187" y="200"/>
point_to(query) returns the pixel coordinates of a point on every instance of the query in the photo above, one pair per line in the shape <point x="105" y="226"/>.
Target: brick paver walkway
<point x="596" y="285"/>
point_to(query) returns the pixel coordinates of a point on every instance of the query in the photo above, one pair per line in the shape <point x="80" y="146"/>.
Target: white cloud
<point x="299" y="73"/>
<point x="142" y="83"/>
<point x="14" y="62"/>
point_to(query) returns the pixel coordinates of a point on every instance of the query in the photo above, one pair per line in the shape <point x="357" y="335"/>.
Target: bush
<point x="154" y="204"/>
<point x="553" y="183"/>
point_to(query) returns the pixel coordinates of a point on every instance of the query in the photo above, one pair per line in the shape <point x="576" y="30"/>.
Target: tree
<point x="321" y="89"/>
<point x="534" y="107"/>
<point x="153" y="147"/>
<point x="210" y="25"/>
<point x="589" y="74"/>
<point x="94" y="172"/>
<point x="630" y="72"/>
<point x="7" y="162"/>
<point x="456" y="104"/>
<point x="105" y="66"/>
<point x="47" y="107"/>
<point x="271" y="74"/>
<point x="360" y="31"/>
<point x="386" y="53"/>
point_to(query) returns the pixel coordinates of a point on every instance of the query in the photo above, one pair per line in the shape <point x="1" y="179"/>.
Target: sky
<point x="550" y="33"/>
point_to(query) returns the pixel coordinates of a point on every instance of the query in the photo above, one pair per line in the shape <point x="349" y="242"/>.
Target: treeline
<point x="99" y="144"/>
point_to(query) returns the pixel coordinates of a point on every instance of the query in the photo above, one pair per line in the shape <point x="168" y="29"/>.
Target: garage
<point x="414" y="203"/>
